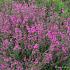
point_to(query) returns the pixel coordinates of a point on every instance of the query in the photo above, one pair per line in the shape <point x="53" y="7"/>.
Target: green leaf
<point x="16" y="54"/>
<point x="0" y="45"/>
<point x="26" y="1"/>
<point x="47" y="67"/>
<point x="59" y="6"/>
<point x="39" y="2"/>
<point x="24" y="66"/>
<point x="27" y="52"/>
<point x="56" y="1"/>
<point x="22" y="44"/>
<point x="67" y="62"/>
<point x="43" y="49"/>
<point x="48" y="3"/>
<point x="1" y="1"/>
<point x="47" y="47"/>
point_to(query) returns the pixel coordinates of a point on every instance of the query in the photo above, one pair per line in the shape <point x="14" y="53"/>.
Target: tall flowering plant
<point x="30" y="40"/>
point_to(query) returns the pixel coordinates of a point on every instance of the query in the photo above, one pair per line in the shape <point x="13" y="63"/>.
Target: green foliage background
<point x="59" y="4"/>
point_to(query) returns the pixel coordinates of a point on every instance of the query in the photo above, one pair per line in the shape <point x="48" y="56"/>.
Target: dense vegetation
<point x="34" y="35"/>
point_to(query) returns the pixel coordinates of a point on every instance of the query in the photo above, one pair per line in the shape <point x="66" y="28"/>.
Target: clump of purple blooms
<point x="26" y="32"/>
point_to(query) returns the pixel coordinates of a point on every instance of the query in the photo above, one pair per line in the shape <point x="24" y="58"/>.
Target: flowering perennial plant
<point x="30" y="40"/>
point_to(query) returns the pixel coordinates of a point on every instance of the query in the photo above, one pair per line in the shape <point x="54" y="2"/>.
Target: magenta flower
<point x="62" y="10"/>
<point x="60" y="68"/>
<point x="3" y="66"/>
<point x="62" y="35"/>
<point x="36" y="46"/>
<point x="56" y="42"/>
<point x="13" y="19"/>
<point x="52" y="35"/>
<point x="18" y="34"/>
<point x="5" y="43"/>
<point x="53" y="27"/>
<point x="28" y="28"/>
<point x="16" y="47"/>
<point x="25" y="18"/>
<point x="36" y="61"/>
<point x="17" y="7"/>
<point x="52" y="47"/>
<point x="33" y="29"/>
<point x="64" y="49"/>
<point x="48" y="57"/>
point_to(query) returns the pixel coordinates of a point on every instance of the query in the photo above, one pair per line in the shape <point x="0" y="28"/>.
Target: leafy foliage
<point x="59" y="6"/>
<point x="1" y="1"/>
<point x="27" y="53"/>
<point x="42" y="49"/>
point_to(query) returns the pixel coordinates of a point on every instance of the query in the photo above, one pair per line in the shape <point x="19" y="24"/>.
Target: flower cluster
<point x="28" y="38"/>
